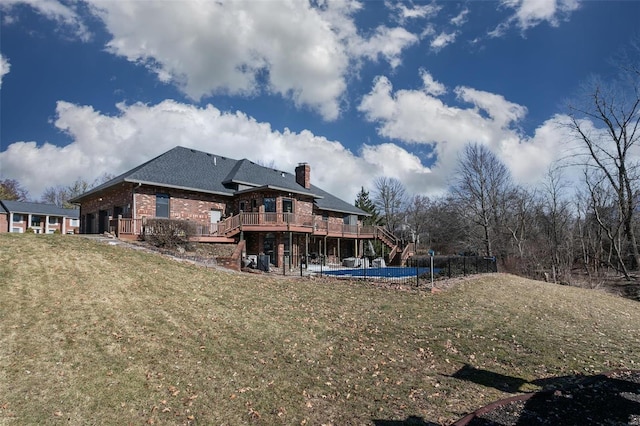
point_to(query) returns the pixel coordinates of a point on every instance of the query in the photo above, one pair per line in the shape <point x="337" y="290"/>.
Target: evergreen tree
<point x="363" y="202"/>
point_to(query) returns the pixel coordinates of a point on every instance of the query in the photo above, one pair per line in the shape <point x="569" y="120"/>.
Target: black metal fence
<point x="418" y="271"/>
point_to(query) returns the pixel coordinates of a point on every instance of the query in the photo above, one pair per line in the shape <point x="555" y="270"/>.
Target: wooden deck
<point x="225" y="230"/>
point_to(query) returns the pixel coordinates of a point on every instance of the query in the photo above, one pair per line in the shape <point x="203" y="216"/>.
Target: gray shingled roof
<point x="38" y="208"/>
<point x="199" y="171"/>
<point x="248" y="173"/>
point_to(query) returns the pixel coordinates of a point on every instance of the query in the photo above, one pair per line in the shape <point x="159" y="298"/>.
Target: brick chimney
<point x="303" y="175"/>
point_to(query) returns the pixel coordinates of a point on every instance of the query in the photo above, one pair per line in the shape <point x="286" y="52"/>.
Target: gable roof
<point x="193" y="170"/>
<point x="25" y="207"/>
<point x="248" y="173"/>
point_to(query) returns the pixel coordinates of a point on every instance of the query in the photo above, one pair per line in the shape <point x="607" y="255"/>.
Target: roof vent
<point x="282" y="174"/>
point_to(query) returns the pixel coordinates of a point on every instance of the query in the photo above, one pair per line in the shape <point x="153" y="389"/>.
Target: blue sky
<point x="356" y="89"/>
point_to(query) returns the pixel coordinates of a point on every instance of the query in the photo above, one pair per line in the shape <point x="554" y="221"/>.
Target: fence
<point x="418" y="271"/>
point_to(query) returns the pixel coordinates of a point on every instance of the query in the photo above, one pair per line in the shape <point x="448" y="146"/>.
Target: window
<point x="243" y="206"/>
<point x="53" y="220"/>
<point x="350" y="219"/>
<point x="17" y="230"/>
<point x="17" y="217"/>
<point x="74" y="222"/>
<point x="287" y="205"/>
<point x="269" y="205"/>
<point x="162" y="205"/>
<point x="254" y="204"/>
<point x="36" y="220"/>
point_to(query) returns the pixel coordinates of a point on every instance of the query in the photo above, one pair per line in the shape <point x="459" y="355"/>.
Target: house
<point x="20" y="216"/>
<point x="275" y="213"/>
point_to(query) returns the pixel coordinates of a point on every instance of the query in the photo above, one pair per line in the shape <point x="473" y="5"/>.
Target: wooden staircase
<point x="397" y="255"/>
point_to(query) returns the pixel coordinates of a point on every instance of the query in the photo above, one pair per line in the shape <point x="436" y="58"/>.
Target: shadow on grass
<point x="490" y="379"/>
<point x="611" y="398"/>
<point x="511" y="384"/>
<point x="410" y="421"/>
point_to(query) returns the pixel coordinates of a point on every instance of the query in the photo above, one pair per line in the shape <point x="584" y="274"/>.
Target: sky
<point x="356" y="89"/>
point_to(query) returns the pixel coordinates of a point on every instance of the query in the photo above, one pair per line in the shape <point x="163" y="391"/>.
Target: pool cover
<point x="387" y="272"/>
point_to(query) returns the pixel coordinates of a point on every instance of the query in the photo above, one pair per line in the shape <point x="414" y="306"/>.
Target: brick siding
<point x="4" y="222"/>
<point x="183" y="205"/>
<point x="119" y="196"/>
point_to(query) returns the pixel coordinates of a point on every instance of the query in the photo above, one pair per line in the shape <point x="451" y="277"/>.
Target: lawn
<point x="92" y="333"/>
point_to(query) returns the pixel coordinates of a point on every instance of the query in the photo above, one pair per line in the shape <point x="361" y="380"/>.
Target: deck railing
<point x="316" y="224"/>
<point x="125" y="226"/>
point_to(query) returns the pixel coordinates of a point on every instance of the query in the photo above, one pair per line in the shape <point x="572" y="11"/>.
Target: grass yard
<point x="98" y="334"/>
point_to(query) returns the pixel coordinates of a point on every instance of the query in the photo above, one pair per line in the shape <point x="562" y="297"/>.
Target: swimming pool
<point x="386" y="272"/>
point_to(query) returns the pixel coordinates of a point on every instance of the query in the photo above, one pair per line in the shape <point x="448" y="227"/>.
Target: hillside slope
<point x="93" y="333"/>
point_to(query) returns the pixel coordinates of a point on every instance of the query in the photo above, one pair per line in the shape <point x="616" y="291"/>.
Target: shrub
<point x="168" y="233"/>
<point x="57" y="232"/>
<point x="29" y="230"/>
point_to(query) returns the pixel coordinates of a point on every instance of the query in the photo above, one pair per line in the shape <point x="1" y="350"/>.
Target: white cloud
<point x="442" y="40"/>
<point x="405" y="166"/>
<point x="530" y="158"/>
<point x="530" y="13"/>
<point x="502" y="112"/>
<point x="51" y="9"/>
<point x="431" y="87"/>
<point x="404" y="12"/>
<point x="461" y="18"/>
<point x="114" y="144"/>
<point x="428" y="30"/>
<point x="212" y="47"/>
<point x="299" y="50"/>
<point x="5" y="67"/>
<point x="387" y="42"/>
<point x="421" y="117"/>
<point x="287" y="47"/>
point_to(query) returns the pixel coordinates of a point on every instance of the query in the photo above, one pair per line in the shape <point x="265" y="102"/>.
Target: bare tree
<point x="55" y="195"/>
<point x="10" y="189"/>
<point x="446" y="229"/>
<point x="607" y="215"/>
<point x="60" y="195"/>
<point x="416" y="217"/>
<point x="389" y="197"/>
<point x="518" y="217"/>
<point x="481" y="187"/>
<point x="557" y="222"/>
<point x="606" y="121"/>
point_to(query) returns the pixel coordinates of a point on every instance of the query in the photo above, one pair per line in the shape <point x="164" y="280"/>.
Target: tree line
<point x="60" y="195"/>
<point x="556" y="231"/>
